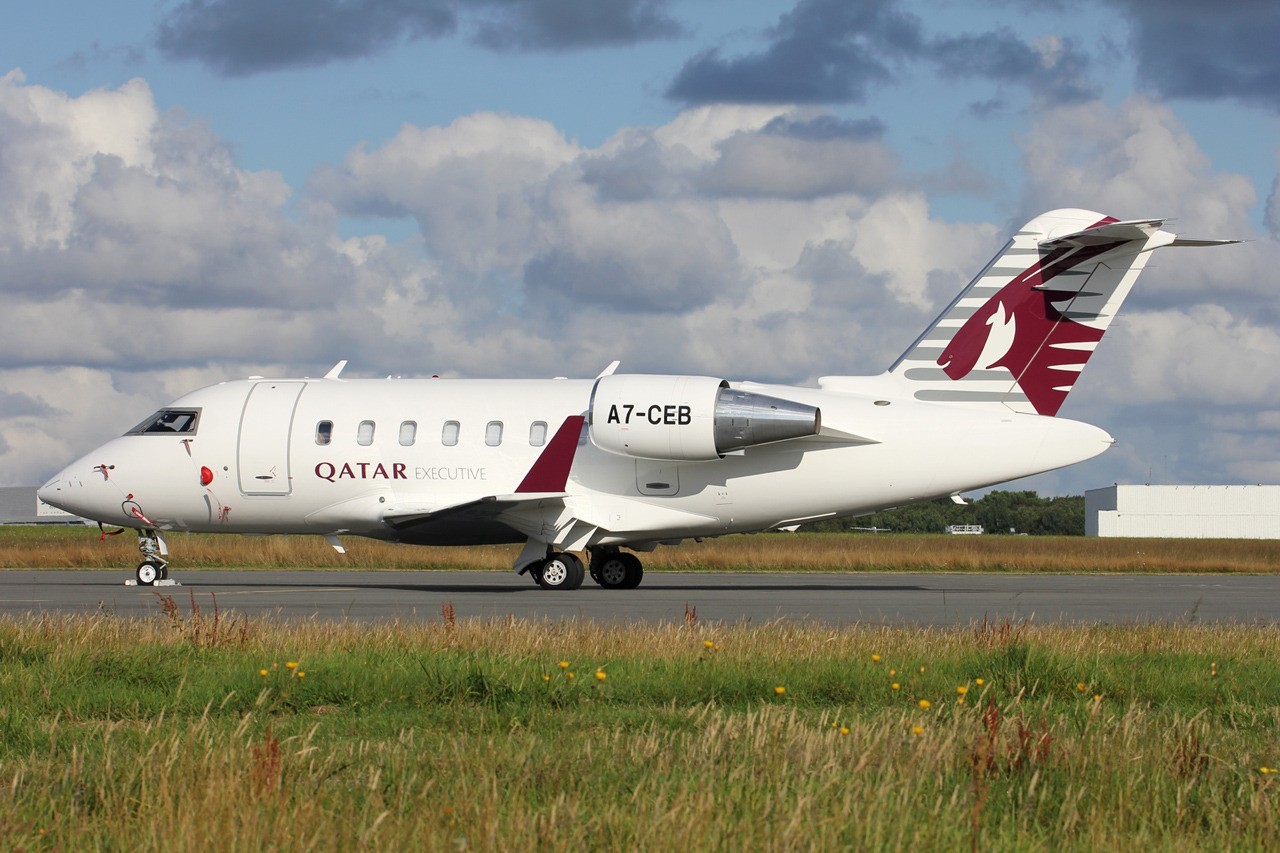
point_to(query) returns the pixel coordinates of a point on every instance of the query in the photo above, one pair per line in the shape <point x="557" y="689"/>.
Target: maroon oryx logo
<point x="1023" y="329"/>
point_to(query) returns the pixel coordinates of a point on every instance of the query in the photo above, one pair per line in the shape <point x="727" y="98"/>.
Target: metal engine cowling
<point x="690" y="418"/>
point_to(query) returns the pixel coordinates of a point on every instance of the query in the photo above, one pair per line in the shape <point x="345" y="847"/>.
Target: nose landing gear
<point x="154" y="568"/>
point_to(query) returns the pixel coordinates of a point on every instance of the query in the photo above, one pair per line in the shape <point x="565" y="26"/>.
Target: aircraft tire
<point x="561" y="571"/>
<point x="611" y="570"/>
<point x="635" y="571"/>
<point x="148" y="573"/>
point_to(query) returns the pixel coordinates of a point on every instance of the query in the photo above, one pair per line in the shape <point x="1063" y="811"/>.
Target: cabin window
<point x="324" y="433"/>
<point x="537" y="433"/>
<point x="408" y="433"/>
<point x="449" y="435"/>
<point x="364" y="433"/>
<point x="493" y="433"/>
<point x="167" y="422"/>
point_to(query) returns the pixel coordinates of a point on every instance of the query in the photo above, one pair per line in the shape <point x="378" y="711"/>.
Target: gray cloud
<point x="245" y="37"/>
<point x="831" y="51"/>
<point x="15" y="404"/>
<point x="561" y="25"/>
<point x="1191" y="49"/>
<point x="792" y="158"/>
<point x="823" y="51"/>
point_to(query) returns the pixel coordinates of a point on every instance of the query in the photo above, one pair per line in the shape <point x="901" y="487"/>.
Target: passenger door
<point x="265" y="426"/>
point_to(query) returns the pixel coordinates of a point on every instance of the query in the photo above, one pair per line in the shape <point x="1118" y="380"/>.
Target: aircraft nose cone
<point x="73" y="490"/>
<point x="51" y="492"/>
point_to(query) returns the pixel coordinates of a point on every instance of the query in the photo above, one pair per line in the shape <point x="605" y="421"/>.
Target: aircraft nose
<point x="76" y="489"/>
<point x="49" y="491"/>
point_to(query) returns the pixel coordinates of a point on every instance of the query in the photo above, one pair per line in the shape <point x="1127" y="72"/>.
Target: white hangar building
<point x="1190" y="512"/>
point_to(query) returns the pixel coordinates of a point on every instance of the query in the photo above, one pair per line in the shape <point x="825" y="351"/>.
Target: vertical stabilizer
<point x="1020" y="333"/>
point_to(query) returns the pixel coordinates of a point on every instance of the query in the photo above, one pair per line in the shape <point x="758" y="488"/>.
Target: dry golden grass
<point x="80" y="548"/>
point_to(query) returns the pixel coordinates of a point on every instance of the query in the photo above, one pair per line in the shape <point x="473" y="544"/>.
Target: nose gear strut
<point x="154" y="568"/>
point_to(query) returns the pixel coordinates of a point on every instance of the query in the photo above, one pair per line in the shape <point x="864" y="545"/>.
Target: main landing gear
<point x="154" y="568"/>
<point x="616" y="569"/>
<point x="611" y="569"/>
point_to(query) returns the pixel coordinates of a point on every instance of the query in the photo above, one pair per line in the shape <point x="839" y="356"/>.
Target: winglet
<point x="336" y="370"/>
<point x="551" y="471"/>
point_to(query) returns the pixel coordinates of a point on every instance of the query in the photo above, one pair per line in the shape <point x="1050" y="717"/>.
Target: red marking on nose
<point x="206" y="475"/>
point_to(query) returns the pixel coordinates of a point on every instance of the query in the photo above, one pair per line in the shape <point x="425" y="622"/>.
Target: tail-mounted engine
<point x="690" y="418"/>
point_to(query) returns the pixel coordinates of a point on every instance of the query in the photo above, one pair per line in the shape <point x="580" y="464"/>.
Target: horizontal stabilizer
<point x="1186" y="241"/>
<point x="1112" y="232"/>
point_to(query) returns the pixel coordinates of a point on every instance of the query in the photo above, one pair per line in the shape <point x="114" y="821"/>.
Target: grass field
<point x="184" y="732"/>
<point x="78" y="547"/>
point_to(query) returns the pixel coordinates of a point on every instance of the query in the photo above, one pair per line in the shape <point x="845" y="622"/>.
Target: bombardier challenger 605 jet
<point x="635" y="461"/>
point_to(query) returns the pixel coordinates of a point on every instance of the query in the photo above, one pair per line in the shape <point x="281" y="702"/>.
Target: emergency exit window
<point x="364" y="434"/>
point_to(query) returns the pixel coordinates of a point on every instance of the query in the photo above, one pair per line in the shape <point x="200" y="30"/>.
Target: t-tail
<point x="1021" y="332"/>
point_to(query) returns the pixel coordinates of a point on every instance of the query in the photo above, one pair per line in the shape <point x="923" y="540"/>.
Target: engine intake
<point x="690" y="418"/>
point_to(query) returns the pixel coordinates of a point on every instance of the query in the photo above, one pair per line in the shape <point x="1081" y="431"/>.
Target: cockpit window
<point x="169" y="421"/>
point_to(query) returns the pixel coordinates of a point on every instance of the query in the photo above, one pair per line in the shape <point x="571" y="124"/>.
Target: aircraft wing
<point x="479" y="510"/>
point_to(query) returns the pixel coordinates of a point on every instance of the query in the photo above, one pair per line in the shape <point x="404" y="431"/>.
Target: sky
<point x="200" y="190"/>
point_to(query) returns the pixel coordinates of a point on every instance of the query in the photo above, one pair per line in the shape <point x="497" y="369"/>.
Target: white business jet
<point x="635" y="461"/>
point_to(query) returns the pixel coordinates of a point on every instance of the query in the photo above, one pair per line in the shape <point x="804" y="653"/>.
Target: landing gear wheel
<point x="617" y="570"/>
<point x="148" y="572"/>
<point x="635" y="571"/>
<point x="560" y="571"/>
<point x="610" y="570"/>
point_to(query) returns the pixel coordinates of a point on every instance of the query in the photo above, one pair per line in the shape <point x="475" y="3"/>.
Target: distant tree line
<point x="997" y="512"/>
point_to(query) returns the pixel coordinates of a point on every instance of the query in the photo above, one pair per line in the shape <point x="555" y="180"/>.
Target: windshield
<point x="168" y="421"/>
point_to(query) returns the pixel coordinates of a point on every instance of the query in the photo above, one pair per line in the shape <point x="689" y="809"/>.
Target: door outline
<point x="264" y="442"/>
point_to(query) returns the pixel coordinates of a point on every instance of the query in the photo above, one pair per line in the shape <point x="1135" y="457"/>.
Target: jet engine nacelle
<point x="690" y="418"/>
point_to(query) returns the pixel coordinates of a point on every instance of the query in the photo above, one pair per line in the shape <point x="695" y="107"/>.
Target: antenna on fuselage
<point x="335" y="370"/>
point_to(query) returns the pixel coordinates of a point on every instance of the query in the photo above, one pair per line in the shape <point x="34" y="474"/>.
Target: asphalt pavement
<point x="837" y="599"/>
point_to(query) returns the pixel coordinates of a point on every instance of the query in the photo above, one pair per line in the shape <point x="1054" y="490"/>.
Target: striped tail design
<point x="1020" y="333"/>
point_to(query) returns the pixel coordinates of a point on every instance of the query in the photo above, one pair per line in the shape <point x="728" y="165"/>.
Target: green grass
<point x="164" y="733"/>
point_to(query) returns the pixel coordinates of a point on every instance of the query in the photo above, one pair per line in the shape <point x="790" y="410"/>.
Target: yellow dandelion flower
<point x="962" y="690"/>
<point x="835" y="725"/>
<point x="564" y="664"/>
<point x="1097" y="697"/>
<point x="915" y="730"/>
<point x="844" y="730"/>
<point x="262" y="672"/>
<point x="979" y="682"/>
<point x="1264" y="770"/>
<point x="301" y="674"/>
<point x="708" y="644"/>
<point x="895" y="686"/>
<point x="892" y="671"/>
<point x="922" y="667"/>
<point x="600" y="675"/>
<point x="569" y="675"/>
<point x="293" y="664"/>
<point x="779" y="690"/>
<point x="875" y="658"/>
<point x="924" y="704"/>
<point x="546" y="678"/>
<point x="960" y="701"/>
<point x="1080" y="686"/>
